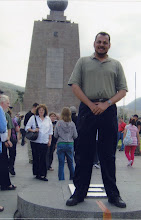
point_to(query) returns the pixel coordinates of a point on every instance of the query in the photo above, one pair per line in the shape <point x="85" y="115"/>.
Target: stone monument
<point x="53" y="55"/>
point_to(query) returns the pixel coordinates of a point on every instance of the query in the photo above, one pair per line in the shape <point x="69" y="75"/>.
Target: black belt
<point x="99" y="100"/>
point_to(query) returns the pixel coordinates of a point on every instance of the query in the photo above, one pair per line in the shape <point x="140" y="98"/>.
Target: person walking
<point x="65" y="133"/>
<point x="11" y="149"/>
<point x="3" y="127"/>
<point x="98" y="82"/>
<point x="130" y="149"/>
<point x="22" y="131"/>
<point x="5" y="181"/>
<point x="27" y="117"/>
<point x="52" y="116"/>
<point x="42" y="143"/>
<point x="121" y="126"/>
<point x="13" y="139"/>
<point x="74" y="119"/>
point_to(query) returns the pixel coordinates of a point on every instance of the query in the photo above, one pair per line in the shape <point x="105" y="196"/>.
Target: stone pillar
<point x="53" y="55"/>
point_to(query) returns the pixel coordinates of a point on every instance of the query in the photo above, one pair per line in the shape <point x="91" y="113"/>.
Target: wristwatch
<point x="109" y="102"/>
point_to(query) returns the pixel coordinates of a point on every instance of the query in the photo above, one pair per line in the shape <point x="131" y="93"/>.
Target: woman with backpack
<point x="133" y="134"/>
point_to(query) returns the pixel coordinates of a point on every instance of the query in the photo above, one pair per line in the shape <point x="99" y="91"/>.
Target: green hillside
<point x="10" y="90"/>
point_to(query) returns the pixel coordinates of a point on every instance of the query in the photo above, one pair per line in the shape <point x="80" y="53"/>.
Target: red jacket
<point x="121" y="126"/>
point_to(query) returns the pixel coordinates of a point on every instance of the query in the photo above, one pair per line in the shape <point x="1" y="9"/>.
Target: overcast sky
<point x="121" y="19"/>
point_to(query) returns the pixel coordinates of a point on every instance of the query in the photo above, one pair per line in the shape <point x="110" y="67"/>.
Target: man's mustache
<point x="101" y="47"/>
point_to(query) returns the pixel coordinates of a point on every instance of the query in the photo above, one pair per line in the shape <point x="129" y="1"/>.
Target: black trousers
<point x="50" y="153"/>
<point x="4" y="172"/>
<point x="12" y="156"/>
<point x="39" y="153"/>
<point x="87" y="126"/>
<point x="23" y="132"/>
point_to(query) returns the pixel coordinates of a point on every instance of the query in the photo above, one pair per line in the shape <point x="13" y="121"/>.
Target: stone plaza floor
<point x="36" y="199"/>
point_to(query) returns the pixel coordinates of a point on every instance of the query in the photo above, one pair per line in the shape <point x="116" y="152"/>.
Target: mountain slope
<point x="10" y="90"/>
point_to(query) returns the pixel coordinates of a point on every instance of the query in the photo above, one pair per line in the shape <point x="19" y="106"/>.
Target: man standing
<point x="121" y="127"/>
<point x="27" y="117"/>
<point x="4" y="171"/>
<point x="98" y="82"/>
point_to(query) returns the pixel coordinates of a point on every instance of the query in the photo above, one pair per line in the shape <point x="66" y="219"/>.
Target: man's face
<point x="136" y="118"/>
<point x="34" y="109"/>
<point x="120" y="120"/>
<point x="5" y="105"/>
<point x="102" y="45"/>
<point x="53" y="117"/>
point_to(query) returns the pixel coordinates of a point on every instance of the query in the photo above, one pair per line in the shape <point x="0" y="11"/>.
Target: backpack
<point x="128" y="139"/>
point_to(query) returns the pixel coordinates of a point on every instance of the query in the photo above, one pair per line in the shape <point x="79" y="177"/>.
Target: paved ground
<point x="128" y="181"/>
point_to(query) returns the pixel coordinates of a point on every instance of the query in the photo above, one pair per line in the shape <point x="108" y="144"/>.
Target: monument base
<point x="49" y="201"/>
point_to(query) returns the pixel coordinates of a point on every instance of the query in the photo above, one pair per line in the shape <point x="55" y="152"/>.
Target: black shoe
<point x="1" y="208"/>
<point x="120" y="149"/>
<point x="117" y="201"/>
<point x="73" y="201"/>
<point x="38" y="177"/>
<point x="43" y="178"/>
<point x="11" y="187"/>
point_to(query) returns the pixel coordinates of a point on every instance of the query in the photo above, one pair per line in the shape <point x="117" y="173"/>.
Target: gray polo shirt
<point x="98" y="79"/>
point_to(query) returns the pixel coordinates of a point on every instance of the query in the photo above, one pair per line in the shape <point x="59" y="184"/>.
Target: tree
<point x="20" y="99"/>
<point x="122" y="113"/>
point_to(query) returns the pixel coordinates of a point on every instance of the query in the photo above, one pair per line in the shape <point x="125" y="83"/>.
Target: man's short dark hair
<point x="1" y="92"/>
<point x="104" y="34"/>
<point x="35" y="104"/>
<point x="135" y="115"/>
<point x="120" y="117"/>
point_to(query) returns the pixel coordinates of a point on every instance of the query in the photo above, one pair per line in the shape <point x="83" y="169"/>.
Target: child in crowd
<point x="130" y="150"/>
<point x="65" y="133"/>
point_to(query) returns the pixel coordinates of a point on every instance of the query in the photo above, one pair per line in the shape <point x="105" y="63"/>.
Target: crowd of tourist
<point x="53" y="132"/>
<point x="40" y="151"/>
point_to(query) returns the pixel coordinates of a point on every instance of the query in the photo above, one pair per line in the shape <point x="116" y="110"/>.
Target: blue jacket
<point x="3" y="125"/>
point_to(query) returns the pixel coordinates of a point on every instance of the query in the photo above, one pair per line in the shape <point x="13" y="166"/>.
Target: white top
<point x="22" y="124"/>
<point x="45" y="128"/>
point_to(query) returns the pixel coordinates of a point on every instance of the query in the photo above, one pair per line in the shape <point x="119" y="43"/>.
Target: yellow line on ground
<point x="106" y="212"/>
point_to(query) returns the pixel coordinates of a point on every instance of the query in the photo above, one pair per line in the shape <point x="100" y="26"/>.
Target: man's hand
<point x="49" y="143"/>
<point x="98" y="107"/>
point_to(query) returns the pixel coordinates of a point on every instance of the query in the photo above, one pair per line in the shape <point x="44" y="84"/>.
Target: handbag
<point x="13" y="137"/>
<point x="30" y="135"/>
<point x="128" y="139"/>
